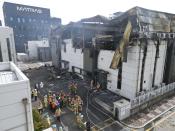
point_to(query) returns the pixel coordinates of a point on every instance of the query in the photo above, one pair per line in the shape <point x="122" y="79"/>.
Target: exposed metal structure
<point x="119" y="52"/>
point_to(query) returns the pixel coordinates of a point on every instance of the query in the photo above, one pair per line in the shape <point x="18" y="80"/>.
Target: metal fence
<point x="152" y="94"/>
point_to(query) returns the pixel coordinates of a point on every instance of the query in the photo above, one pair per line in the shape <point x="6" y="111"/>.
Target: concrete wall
<point x="12" y="111"/>
<point x="161" y="63"/>
<point x="7" y="32"/>
<point x="54" y="52"/>
<point x="131" y="70"/>
<point x="72" y="55"/>
<point x="44" y="54"/>
<point x="87" y="60"/>
<point x="104" y="61"/>
<point x="33" y="48"/>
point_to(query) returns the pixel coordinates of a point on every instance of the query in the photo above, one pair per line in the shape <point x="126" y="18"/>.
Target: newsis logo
<point x="27" y="9"/>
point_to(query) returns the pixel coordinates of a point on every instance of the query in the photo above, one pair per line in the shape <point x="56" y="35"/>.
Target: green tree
<point x="39" y="122"/>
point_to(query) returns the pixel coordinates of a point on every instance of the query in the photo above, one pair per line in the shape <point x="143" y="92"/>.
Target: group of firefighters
<point x="55" y="101"/>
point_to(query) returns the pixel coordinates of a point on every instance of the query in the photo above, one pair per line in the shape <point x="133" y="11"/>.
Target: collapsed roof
<point x="144" y="20"/>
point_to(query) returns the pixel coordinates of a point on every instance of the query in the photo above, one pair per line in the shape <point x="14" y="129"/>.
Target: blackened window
<point x="8" y="47"/>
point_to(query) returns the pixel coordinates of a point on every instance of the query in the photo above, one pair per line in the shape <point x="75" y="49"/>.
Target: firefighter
<point x="58" y="114"/>
<point x="40" y="107"/>
<point x="45" y="101"/>
<point x="60" y="128"/>
<point x="32" y="94"/>
<point x="48" y="120"/>
<point x="50" y="101"/>
<point x="71" y="88"/>
<point x="76" y="108"/>
<point x="35" y="94"/>
<point x="80" y="104"/>
<point x="92" y="84"/>
<point x="75" y="88"/>
<point x="41" y="84"/>
<point x="36" y="86"/>
<point x="53" y="106"/>
<point x="98" y="86"/>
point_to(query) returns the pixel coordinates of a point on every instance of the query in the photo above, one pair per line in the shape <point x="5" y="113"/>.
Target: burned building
<point x="131" y="55"/>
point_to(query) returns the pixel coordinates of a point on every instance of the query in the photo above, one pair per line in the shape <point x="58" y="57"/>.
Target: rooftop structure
<point x="15" y="99"/>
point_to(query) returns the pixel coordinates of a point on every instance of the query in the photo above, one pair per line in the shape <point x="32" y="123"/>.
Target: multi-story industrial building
<point x="28" y="23"/>
<point x="15" y="99"/>
<point x="7" y="45"/>
<point x="128" y="55"/>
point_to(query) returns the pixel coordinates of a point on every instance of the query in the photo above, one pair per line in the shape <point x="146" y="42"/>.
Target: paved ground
<point x="167" y="123"/>
<point x="145" y="116"/>
<point x="93" y="113"/>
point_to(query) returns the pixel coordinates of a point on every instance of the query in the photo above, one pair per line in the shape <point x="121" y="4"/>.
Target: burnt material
<point x="119" y="82"/>
<point x="143" y="63"/>
<point x="155" y="62"/>
<point x="169" y="62"/>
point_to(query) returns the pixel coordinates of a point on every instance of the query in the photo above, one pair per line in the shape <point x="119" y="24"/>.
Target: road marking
<point x="163" y="107"/>
<point x="151" y="115"/>
<point x="101" y="123"/>
<point x="107" y="125"/>
<point x="157" y="111"/>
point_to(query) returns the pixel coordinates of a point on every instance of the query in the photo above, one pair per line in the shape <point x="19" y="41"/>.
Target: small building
<point x="15" y="99"/>
<point x="7" y="45"/>
<point x="39" y="50"/>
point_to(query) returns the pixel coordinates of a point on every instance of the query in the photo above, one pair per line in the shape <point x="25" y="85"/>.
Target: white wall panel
<point x="72" y="55"/>
<point x="104" y="61"/>
<point x="12" y="111"/>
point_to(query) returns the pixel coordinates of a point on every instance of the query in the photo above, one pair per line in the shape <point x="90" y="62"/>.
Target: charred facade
<point x="130" y="55"/>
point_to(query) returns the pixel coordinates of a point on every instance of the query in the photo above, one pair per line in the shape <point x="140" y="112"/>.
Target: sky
<point x="74" y="10"/>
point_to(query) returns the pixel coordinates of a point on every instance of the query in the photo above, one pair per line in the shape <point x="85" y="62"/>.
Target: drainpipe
<point x="25" y="102"/>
